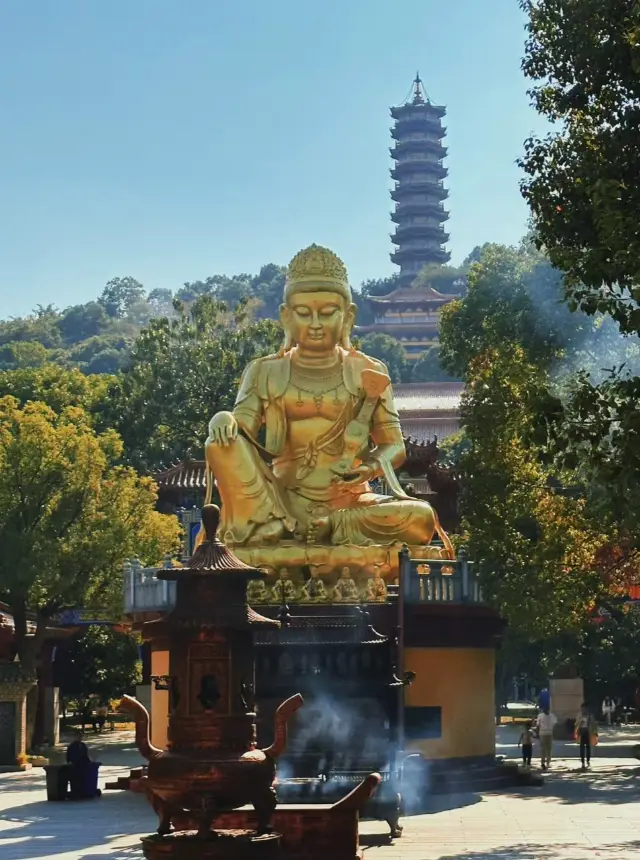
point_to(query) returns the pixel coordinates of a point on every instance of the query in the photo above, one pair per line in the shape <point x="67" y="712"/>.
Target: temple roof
<point x="412" y="295"/>
<point x="428" y="397"/>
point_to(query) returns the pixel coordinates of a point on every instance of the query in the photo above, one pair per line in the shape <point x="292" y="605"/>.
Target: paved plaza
<point x="575" y="816"/>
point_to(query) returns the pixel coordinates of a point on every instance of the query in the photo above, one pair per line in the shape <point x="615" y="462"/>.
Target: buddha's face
<point x="316" y="321"/>
<point x="345" y="573"/>
<point x="284" y="573"/>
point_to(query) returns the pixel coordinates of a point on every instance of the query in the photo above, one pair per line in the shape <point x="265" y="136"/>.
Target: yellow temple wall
<point x="461" y="682"/>
<point x="159" y="700"/>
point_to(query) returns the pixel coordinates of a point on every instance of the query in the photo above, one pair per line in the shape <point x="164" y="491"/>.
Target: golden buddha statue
<point x="312" y="425"/>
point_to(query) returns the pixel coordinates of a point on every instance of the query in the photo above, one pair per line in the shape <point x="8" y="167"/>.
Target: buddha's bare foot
<point x="319" y="530"/>
<point x="267" y="533"/>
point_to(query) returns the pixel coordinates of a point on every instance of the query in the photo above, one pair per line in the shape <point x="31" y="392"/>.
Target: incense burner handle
<point x="284" y="712"/>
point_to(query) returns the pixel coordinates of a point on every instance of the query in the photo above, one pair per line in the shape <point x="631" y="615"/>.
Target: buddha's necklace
<point x="317" y="383"/>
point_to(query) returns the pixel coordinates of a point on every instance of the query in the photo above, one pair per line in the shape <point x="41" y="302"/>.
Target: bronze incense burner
<point x="212" y="764"/>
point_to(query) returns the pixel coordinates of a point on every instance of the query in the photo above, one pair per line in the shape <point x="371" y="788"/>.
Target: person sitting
<point x="78" y="763"/>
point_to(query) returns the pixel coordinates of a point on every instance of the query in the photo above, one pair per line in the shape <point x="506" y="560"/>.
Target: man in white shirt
<point x="546" y="724"/>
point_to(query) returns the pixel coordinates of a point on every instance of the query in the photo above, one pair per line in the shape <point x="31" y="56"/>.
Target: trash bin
<point x="57" y="781"/>
<point x="91" y="780"/>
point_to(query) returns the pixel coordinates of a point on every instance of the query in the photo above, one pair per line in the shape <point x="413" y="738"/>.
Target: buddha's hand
<point x="355" y="475"/>
<point x="223" y="429"/>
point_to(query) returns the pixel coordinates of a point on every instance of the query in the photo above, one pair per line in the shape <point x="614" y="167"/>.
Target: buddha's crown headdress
<point x="317" y="268"/>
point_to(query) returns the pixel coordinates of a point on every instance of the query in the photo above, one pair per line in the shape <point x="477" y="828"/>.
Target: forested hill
<point x="97" y="336"/>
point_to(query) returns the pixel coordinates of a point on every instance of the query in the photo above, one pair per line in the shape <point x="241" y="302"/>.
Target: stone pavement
<point x="575" y="816"/>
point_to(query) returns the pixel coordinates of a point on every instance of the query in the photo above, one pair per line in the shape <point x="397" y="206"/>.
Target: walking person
<point x="586" y="734"/>
<point x="545" y="725"/>
<point x="101" y="716"/>
<point x="526" y="741"/>
<point x="608" y="709"/>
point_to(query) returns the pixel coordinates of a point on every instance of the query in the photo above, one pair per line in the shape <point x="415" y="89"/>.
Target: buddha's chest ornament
<point x="320" y="384"/>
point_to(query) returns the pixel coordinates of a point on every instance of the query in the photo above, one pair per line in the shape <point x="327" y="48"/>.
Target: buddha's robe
<point x="280" y="487"/>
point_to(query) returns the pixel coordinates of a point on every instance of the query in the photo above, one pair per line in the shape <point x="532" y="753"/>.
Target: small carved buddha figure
<point x="313" y="591"/>
<point x="283" y="590"/>
<point x="257" y="591"/>
<point x="376" y="587"/>
<point x="345" y="589"/>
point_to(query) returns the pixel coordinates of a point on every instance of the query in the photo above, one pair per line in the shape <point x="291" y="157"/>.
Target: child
<point x="526" y="741"/>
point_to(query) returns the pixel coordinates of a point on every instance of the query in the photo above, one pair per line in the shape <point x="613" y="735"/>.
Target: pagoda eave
<point x="426" y="110"/>
<point x="434" y="172"/>
<point x="434" y="210"/>
<point x="432" y="146"/>
<point x="418" y="231"/>
<point x="406" y="188"/>
<point x="424" y="255"/>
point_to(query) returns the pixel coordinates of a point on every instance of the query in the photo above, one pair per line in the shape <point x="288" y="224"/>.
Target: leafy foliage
<point x="59" y="389"/>
<point x="388" y="350"/>
<point x="537" y="546"/>
<point x="581" y="181"/>
<point x="428" y="368"/>
<point x="581" y="184"/>
<point x="514" y="344"/>
<point x="119" y="295"/>
<point x="99" y="662"/>
<point x="69" y="517"/>
<point x="180" y="373"/>
<point x="448" y="280"/>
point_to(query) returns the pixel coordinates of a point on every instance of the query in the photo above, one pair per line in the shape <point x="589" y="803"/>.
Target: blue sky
<point x="173" y="140"/>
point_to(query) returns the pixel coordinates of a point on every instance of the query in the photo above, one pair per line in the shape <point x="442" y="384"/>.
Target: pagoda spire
<point x="418" y="90"/>
<point x="418" y="192"/>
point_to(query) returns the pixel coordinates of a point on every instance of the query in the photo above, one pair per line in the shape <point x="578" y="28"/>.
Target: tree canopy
<point x="528" y="520"/>
<point x="69" y="517"/>
<point x="581" y="183"/>
<point x="180" y="372"/>
<point x="581" y="180"/>
<point x="99" y="662"/>
<point x="388" y="350"/>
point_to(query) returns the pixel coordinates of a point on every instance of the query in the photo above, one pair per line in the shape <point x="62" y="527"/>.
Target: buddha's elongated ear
<point x="285" y="320"/>
<point x="349" y="321"/>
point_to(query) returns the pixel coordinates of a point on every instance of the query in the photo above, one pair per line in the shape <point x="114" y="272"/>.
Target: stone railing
<point x="439" y="581"/>
<point x="425" y="581"/>
<point x="144" y="592"/>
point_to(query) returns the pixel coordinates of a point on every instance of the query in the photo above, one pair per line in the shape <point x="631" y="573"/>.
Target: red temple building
<point x="409" y="314"/>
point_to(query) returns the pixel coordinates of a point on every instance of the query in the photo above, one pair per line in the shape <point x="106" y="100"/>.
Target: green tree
<point x="581" y="180"/>
<point x="21" y="354"/>
<point x="100" y="662"/>
<point x="581" y="183"/>
<point x="534" y="534"/>
<point x="105" y="353"/>
<point x="268" y="288"/>
<point x="448" y="280"/>
<point x="161" y="301"/>
<point x="41" y="326"/>
<point x="82" y="321"/>
<point x="389" y="350"/>
<point x="69" y="518"/>
<point x="60" y="388"/>
<point x="427" y="368"/>
<point x="119" y="295"/>
<point x="180" y="373"/>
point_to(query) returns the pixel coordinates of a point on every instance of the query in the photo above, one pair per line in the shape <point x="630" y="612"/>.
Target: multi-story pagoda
<point x="418" y="191"/>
